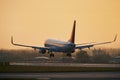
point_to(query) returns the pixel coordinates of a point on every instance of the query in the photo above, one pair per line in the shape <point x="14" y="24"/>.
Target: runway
<point x="68" y="64"/>
<point x="64" y="76"/>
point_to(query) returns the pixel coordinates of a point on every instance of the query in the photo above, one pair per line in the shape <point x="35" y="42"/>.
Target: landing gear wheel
<point x="51" y="55"/>
<point x="69" y="55"/>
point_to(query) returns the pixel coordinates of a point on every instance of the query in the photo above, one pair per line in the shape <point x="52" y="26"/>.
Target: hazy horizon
<point x="31" y="22"/>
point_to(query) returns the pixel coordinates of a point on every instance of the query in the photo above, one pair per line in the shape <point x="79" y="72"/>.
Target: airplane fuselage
<point x="59" y="46"/>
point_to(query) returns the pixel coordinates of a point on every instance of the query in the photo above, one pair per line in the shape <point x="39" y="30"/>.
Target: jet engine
<point x="43" y="51"/>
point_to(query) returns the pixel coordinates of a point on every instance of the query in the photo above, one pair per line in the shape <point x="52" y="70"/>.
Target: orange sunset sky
<point x="33" y="21"/>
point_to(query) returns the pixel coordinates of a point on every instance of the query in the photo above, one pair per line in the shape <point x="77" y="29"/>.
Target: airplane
<point x="67" y="47"/>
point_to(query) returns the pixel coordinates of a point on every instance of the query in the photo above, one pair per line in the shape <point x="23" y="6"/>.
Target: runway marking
<point x="62" y="75"/>
<point x="68" y="64"/>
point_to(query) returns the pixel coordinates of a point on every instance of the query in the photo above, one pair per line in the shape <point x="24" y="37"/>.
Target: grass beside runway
<point x="15" y="68"/>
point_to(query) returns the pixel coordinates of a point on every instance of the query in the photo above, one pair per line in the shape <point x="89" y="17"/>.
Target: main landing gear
<point x="68" y="54"/>
<point x="51" y="55"/>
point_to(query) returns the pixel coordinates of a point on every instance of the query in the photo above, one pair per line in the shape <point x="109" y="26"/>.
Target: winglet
<point x="12" y="39"/>
<point x="72" y="38"/>
<point x="115" y="38"/>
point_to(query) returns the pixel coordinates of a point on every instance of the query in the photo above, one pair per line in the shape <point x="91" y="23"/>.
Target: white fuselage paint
<point x="59" y="46"/>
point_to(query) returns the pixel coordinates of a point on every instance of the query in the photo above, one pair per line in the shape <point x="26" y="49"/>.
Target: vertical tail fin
<point x="72" y="38"/>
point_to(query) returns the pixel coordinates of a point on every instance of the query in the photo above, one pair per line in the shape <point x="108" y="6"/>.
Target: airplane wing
<point x="93" y="44"/>
<point x="34" y="47"/>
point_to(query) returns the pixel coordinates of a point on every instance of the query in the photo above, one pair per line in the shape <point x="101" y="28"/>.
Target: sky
<point x="31" y="22"/>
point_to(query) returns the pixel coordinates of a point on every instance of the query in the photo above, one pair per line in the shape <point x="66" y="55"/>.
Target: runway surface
<point x="68" y="64"/>
<point x="64" y="76"/>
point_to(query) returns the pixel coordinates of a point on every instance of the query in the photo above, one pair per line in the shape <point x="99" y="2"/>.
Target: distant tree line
<point x="16" y="55"/>
<point x="97" y="55"/>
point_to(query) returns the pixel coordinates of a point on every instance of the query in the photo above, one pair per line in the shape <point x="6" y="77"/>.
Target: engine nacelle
<point x="42" y="51"/>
